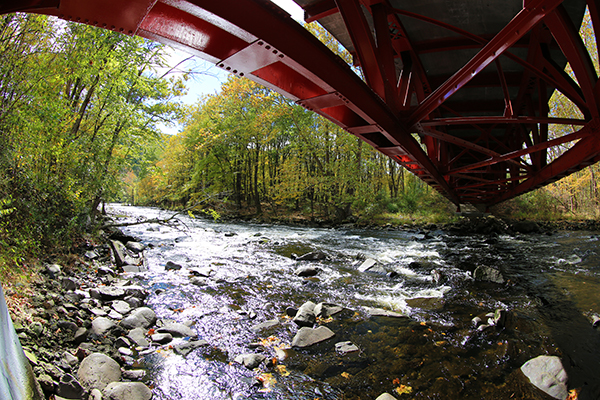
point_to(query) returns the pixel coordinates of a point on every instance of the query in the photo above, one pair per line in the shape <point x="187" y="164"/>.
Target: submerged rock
<point x="306" y="271"/>
<point x="380" y="312"/>
<point x="307" y="336"/>
<point x="250" y="360"/>
<point x="177" y="330"/>
<point x="346" y="347"/>
<point x="312" y="256"/>
<point x="488" y="274"/>
<point x="187" y="347"/>
<point x="272" y="323"/>
<point x="547" y="374"/>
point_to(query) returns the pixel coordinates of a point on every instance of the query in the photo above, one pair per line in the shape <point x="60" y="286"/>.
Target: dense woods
<point x="76" y="105"/>
<point x="79" y="115"/>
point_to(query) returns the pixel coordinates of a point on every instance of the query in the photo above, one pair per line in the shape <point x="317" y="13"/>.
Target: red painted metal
<point x="476" y="125"/>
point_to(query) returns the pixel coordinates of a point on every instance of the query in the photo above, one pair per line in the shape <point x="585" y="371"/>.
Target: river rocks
<point x="380" y="312"/>
<point x="142" y="317"/>
<point x="120" y="306"/>
<point x="171" y="266"/>
<point x="161" y="338"/>
<point x="547" y="374"/>
<point x="201" y="271"/>
<point x="307" y="336"/>
<point x="367" y="264"/>
<point x="107" y="293"/>
<point x="270" y="324"/>
<point x="326" y="310"/>
<point x="69" y="387"/>
<point x="101" y="326"/>
<point x="305" y="315"/>
<point x="346" y="347"/>
<point x="488" y="274"/>
<point x="184" y="348"/>
<point x="312" y="256"/>
<point x="136" y="247"/>
<point x="306" y="271"/>
<point x="127" y="391"/>
<point x="385" y="396"/>
<point x="177" y="330"/>
<point x="525" y="226"/>
<point x="137" y="335"/>
<point x="97" y="371"/>
<point x="250" y="360"/>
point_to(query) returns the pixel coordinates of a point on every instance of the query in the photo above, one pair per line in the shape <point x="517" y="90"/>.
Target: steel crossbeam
<point x="462" y="106"/>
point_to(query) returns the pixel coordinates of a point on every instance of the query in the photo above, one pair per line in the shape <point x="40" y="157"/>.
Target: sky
<point x="207" y="78"/>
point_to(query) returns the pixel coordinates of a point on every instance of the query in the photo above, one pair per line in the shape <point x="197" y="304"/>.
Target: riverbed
<point x="549" y="291"/>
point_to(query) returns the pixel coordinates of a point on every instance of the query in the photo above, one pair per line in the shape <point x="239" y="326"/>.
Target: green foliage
<point x="75" y="103"/>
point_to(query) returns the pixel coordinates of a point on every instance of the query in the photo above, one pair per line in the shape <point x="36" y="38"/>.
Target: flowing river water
<point x="552" y="289"/>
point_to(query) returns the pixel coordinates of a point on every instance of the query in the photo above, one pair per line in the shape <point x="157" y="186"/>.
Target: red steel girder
<point x="533" y="13"/>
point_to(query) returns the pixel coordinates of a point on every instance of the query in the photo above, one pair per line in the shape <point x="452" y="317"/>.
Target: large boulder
<point x="307" y="336"/>
<point x="306" y="315"/>
<point x="488" y="274"/>
<point x="98" y="370"/>
<point x="547" y="374"/>
<point x="142" y="317"/>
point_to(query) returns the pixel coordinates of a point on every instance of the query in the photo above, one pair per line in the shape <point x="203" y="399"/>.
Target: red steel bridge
<point x="457" y="92"/>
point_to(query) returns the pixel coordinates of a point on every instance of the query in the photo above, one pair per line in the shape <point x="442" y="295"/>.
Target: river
<point x="551" y="289"/>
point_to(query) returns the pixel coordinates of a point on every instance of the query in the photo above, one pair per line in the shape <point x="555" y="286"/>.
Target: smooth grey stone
<point x="305" y="315"/>
<point x="107" y="293"/>
<point x="81" y="335"/>
<point x="312" y="256"/>
<point x="53" y="270"/>
<point x="306" y="271"/>
<point x="188" y="346"/>
<point x="170" y="265"/>
<point x="346" y="347"/>
<point x="379" y="312"/>
<point x="177" y="330"/>
<point x="162" y="338"/>
<point x="95" y="394"/>
<point x="120" y="306"/>
<point x="138" y="336"/>
<point x="272" y="323"/>
<point x="547" y="374"/>
<point x="250" y="361"/>
<point x="69" y="284"/>
<point x="98" y="370"/>
<point x="127" y="391"/>
<point x="101" y="326"/>
<point x="142" y="317"/>
<point x="134" y="374"/>
<point x="69" y="388"/>
<point x="326" y="310"/>
<point x="125" y="351"/>
<point x="136" y="247"/>
<point x="385" y="396"/>
<point x="91" y="254"/>
<point x="367" y="264"/>
<point x="307" y="336"/>
<point x="114" y="315"/>
<point x="98" y="312"/>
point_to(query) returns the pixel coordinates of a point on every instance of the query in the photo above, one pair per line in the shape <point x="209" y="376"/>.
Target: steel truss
<point x="476" y="125"/>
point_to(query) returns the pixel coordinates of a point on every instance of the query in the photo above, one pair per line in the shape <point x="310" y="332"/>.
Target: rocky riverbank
<point x="87" y="329"/>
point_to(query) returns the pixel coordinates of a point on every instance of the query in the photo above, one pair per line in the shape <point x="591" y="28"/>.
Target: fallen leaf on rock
<point x="573" y="394"/>
<point x="282" y="370"/>
<point x="346" y="375"/>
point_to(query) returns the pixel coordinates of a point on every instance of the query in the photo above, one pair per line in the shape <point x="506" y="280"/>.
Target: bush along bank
<point x="87" y="331"/>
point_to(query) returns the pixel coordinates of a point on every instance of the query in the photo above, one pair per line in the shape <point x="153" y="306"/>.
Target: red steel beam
<point x="497" y="120"/>
<point x="527" y="18"/>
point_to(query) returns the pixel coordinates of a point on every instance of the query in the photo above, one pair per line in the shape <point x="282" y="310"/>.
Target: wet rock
<point x="127" y="391"/>
<point x="595" y="320"/>
<point x="69" y="283"/>
<point x="346" y="347"/>
<point x="162" y="338"/>
<point x="53" y="270"/>
<point x="46" y="382"/>
<point x="95" y="394"/>
<point x="312" y="256"/>
<point x="106" y="271"/>
<point x="98" y="312"/>
<point x="291" y="311"/>
<point x="201" y="271"/>
<point x="107" y="293"/>
<point x="134" y="302"/>
<point x="488" y="274"/>
<point x="101" y="326"/>
<point x="142" y="317"/>
<point x="80" y="335"/>
<point x="380" y="312"/>
<point x="171" y="266"/>
<point x="121" y="256"/>
<point x="307" y="336"/>
<point x="133" y="269"/>
<point x="306" y="271"/>
<point x="367" y="265"/>
<point x="187" y="347"/>
<point x="69" y="359"/>
<point x="385" y="396"/>
<point x="115" y="315"/>
<point x="138" y="336"/>
<point x="98" y="370"/>
<point x="134" y="374"/>
<point x="305" y="315"/>
<point x="69" y="387"/>
<point x="67" y="326"/>
<point x="250" y="360"/>
<point x="177" y="330"/>
<point x="135" y="291"/>
<point x="136" y="247"/>
<point x="326" y="310"/>
<point x="270" y="324"/>
<point x="124" y="351"/>
<point x="547" y="374"/>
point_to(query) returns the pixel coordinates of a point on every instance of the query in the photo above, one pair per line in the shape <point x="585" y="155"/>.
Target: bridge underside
<point x="456" y="92"/>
